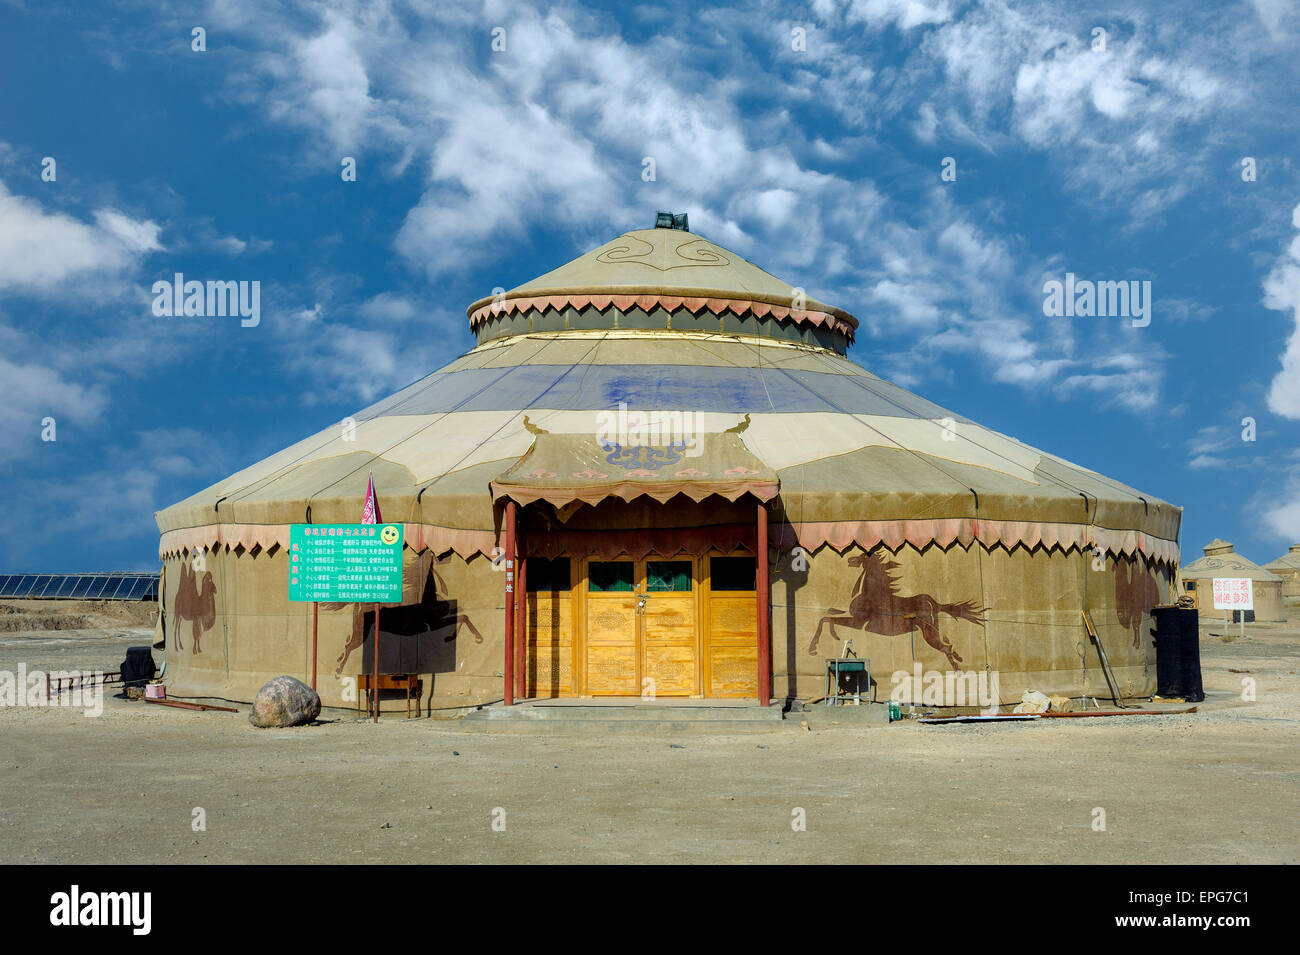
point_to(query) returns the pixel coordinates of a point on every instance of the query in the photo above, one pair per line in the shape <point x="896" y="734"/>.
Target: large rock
<point x="1033" y="702"/>
<point x="285" y="702"/>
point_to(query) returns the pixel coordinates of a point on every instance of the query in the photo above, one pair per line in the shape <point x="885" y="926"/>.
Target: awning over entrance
<point x="563" y="468"/>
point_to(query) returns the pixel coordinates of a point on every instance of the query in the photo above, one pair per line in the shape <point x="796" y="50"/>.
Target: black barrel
<point x="1178" y="653"/>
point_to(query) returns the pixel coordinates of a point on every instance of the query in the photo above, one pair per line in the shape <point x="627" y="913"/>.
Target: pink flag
<point x="370" y="513"/>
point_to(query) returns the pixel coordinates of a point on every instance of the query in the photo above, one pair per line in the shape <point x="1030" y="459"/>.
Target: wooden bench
<point x="409" y="682"/>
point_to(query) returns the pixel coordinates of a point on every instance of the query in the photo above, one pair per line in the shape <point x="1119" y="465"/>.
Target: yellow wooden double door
<point x="667" y="627"/>
<point x="642" y="627"/>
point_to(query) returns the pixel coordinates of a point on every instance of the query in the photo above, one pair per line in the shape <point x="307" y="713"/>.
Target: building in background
<point x="1288" y="568"/>
<point x="1221" y="560"/>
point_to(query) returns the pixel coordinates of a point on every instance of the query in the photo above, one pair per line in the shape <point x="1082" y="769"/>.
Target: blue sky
<point x="817" y="154"/>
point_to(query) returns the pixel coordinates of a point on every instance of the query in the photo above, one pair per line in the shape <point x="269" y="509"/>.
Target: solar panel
<point x="124" y="591"/>
<point x="100" y="586"/>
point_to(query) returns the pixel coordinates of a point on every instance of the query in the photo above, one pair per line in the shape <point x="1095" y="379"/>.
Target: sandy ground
<point x="1220" y="786"/>
<point x="21" y="616"/>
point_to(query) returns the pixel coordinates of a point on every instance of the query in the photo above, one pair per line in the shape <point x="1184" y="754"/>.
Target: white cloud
<point x="904" y="14"/>
<point x="41" y="249"/>
<point x="33" y="392"/>
<point x="1279" y="16"/>
<point x="389" y="307"/>
<point x="1282" y="292"/>
<point x="135" y="235"/>
<point x="554" y="130"/>
<point x="1276" y="505"/>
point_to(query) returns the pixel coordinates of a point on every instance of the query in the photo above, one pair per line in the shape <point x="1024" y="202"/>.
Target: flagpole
<point x="370" y="515"/>
<point x="374" y="679"/>
<point x="314" y="607"/>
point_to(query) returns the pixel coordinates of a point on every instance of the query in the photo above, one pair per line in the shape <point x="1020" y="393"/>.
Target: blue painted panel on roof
<point x="649" y="387"/>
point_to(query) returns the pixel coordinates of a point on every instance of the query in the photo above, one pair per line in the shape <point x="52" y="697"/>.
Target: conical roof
<point x="663" y="279"/>
<point x="663" y="262"/>
<point x="1288" y="561"/>
<point x="1221" y="560"/>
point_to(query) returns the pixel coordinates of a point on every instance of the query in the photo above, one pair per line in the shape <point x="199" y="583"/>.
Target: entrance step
<point x="820" y="716"/>
<point x="604" y="716"/>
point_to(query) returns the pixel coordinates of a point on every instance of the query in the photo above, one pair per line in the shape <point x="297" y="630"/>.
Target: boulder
<point x="1033" y="702"/>
<point x="1062" y="704"/>
<point x="285" y="702"/>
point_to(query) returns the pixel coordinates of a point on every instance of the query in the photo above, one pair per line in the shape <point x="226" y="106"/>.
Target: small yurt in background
<point x="1288" y="568"/>
<point x="1221" y="560"/>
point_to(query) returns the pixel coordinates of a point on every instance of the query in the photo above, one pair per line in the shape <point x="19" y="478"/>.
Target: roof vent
<point x="669" y="220"/>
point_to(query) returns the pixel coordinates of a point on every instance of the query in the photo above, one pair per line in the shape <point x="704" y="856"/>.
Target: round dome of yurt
<point x="667" y="453"/>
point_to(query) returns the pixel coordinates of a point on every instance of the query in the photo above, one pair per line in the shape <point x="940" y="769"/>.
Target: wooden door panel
<point x="611" y="620"/>
<point x="549" y="663"/>
<point x="611" y="671"/>
<point x="733" y="621"/>
<point x="734" y="671"/>
<point x="733" y="644"/>
<point x="670" y="619"/>
<point x="672" y="669"/>
<point x="670" y="635"/>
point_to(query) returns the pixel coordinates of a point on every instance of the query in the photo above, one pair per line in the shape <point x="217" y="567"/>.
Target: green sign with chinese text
<point x="345" y="563"/>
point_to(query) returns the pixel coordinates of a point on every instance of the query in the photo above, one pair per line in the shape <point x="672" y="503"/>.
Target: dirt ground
<point x="1219" y="786"/>
<point x="21" y="616"/>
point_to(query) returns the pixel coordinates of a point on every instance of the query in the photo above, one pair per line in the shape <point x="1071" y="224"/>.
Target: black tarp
<point x="138" y="668"/>
<point x="1178" y="653"/>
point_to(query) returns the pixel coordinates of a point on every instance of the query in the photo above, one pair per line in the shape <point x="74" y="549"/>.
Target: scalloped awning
<point x="562" y="468"/>
<point x="840" y="535"/>
<point x="843" y="323"/>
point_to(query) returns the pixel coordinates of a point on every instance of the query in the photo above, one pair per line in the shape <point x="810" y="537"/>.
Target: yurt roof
<point x="1226" y="565"/>
<point x="859" y="460"/>
<point x="657" y="266"/>
<point x="1288" y="561"/>
<point x="852" y="459"/>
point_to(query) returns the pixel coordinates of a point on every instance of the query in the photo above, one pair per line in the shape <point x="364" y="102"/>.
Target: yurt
<point x="658" y="474"/>
<point x="1288" y="568"/>
<point x="1221" y="560"/>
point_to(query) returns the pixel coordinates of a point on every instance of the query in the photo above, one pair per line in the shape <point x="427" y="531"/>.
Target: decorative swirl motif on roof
<point x="643" y="456"/>
<point x="693" y="254"/>
<point x="1210" y="563"/>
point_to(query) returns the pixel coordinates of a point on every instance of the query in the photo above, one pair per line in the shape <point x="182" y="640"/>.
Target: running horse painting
<point x="877" y="607"/>
<point x="432" y="614"/>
